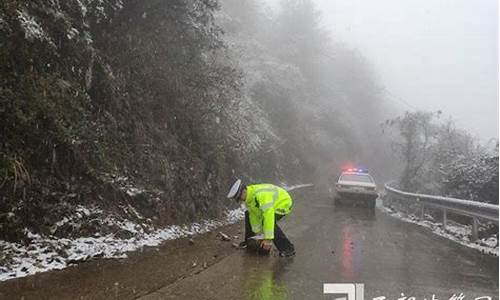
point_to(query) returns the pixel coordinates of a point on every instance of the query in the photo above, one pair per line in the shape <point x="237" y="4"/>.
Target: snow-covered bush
<point x="473" y="177"/>
<point x="443" y="160"/>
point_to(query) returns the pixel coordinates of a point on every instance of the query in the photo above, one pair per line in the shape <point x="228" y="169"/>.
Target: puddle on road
<point x="262" y="279"/>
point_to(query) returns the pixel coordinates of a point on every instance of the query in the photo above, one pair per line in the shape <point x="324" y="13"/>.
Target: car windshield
<point x="356" y="177"/>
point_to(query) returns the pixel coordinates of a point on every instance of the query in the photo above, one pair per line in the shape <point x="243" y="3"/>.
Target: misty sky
<point x="434" y="54"/>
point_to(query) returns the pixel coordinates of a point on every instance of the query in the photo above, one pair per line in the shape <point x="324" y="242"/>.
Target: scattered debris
<point x="191" y="242"/>
<point x="224" y="237"/>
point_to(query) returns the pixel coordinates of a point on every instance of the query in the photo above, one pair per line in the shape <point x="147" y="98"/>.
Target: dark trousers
<point x="280" y="240"/>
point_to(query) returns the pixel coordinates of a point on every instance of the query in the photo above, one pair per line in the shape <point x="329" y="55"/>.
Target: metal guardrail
<point x="300" y="186"/>
<point x="475" y="210"/>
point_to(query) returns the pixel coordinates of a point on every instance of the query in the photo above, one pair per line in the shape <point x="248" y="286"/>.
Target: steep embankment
<point x="123" y="107"/>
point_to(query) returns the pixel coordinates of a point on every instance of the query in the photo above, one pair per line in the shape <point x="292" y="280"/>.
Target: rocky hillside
<point x="127" y="106"/>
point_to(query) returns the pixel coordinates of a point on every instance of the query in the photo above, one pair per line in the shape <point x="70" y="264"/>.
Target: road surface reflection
<point x="262" y="279"/>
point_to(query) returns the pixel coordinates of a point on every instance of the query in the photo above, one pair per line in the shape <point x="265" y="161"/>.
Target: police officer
<point x="266" y="204"/>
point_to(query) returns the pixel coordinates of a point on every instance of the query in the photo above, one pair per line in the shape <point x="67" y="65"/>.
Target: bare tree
<point x="416" y="133"/>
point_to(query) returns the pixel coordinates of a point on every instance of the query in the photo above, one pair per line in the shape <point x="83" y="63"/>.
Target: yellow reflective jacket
<point x="262" y="202"/>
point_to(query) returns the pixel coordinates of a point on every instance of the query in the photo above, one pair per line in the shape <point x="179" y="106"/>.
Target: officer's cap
<point x="235" y="190"/>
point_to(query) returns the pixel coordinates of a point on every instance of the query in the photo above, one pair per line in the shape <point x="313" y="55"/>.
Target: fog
<point x="432" y="55"/>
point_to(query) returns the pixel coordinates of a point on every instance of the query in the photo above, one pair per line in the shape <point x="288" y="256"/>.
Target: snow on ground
<point x="46" y="253"/>
<point x="454" y="231"/>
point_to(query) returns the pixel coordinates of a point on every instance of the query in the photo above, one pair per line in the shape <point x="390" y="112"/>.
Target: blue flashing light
<point x="356" y="170"/>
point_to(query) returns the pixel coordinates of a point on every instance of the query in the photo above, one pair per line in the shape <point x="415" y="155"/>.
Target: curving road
<point x="346" y="245"/>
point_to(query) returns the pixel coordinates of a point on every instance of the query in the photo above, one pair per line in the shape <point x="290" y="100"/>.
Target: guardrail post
<point x="445" y="219"/>
<point x="476" y="211"/>
<point x="474" y="229"/>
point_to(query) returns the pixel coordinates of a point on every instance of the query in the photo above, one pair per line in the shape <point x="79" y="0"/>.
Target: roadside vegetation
<point x="441" y="159"/>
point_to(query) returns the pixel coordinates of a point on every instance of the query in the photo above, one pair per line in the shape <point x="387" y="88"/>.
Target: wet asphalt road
<point x="346" y="245"/>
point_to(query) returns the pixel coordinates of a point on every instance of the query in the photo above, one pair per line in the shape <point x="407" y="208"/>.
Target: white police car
<point x="354" y="186"/>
